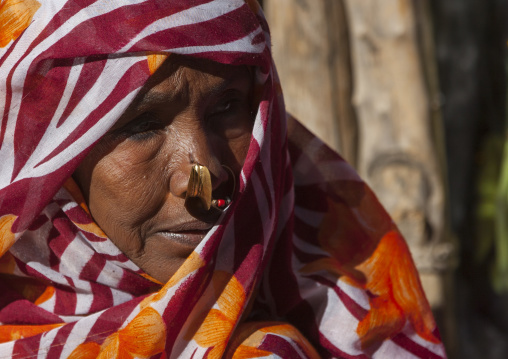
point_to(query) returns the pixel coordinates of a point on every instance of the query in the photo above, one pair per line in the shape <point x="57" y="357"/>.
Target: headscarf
<point x="305" y="263"/>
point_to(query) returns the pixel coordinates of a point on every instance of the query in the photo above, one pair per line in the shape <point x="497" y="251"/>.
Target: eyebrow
<point x="154" y="96"/>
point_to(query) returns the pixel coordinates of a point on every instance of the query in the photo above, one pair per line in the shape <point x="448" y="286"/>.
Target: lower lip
<point x="190" y="238"/>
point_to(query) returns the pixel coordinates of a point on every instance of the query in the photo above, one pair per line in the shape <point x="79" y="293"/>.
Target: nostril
<point x="224" y="174"/>
<point x="178" y="183"/>
<point x="226" y="188"/>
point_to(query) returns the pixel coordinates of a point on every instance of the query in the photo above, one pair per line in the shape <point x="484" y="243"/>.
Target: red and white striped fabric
<point x="304" y="264"/>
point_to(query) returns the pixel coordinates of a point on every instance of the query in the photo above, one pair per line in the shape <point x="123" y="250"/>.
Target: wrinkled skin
<point x="135" y="178"/>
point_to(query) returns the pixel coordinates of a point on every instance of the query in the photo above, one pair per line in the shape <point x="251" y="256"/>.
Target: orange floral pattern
<point x="46" y="295"/>
<point x="191" y="264"/>
<point x="143" y="337"/>
<point x="88" y="350"/>
<point x="345" y="254"/>
<point x="7" y="238"/>
<point x="7" y="262"/>
<point x="246" y="352"/>
<point x="14" y="332"/>
<point x="398" y="296"/>
<point x="219" y="323"/>
<point x="256" y="333"/>
<point x="155" y="60"/>
<point x="15" y="16"/>
<point x="385" y="270"/>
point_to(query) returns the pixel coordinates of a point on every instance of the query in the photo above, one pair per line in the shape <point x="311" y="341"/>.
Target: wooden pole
<point x="310" y="47"/>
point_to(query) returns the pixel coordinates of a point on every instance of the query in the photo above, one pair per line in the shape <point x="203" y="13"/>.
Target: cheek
<point x="238" y="148"/>
<point x="234" y="149"/>
<point x="243" y="147"/>
<point x="125" y="188"/>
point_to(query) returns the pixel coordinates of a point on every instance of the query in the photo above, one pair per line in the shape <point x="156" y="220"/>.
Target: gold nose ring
<point x="200" y="187"/>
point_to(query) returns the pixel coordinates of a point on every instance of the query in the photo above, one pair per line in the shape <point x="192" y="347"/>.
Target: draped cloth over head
<point x="304" y="264"/>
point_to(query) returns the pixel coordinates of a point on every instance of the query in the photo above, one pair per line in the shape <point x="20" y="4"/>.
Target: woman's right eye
<point x="143" y="127"/>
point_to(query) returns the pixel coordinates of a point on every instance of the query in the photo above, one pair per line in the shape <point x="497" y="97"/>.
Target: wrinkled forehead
<point x="182" y="80"/>
<point x="178" y="71"/>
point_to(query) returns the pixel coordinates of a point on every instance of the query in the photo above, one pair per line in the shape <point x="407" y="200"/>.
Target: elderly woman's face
<point x="135" y="179"/>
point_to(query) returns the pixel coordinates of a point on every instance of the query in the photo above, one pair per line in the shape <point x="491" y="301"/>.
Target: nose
<point x="196" y="148"/>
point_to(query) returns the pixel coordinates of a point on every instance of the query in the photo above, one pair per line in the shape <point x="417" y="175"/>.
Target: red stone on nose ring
<point x="221" y="203"/>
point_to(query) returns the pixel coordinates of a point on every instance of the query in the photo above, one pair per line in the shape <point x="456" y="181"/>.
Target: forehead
<point x="186" y="79"/>
<point x="177" y="64"/>
<point x="183" y="75"/>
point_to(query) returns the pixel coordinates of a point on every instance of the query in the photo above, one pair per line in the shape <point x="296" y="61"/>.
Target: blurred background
<point x="413" y="94"/>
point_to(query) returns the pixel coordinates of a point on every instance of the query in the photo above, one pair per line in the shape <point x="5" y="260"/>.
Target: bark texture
<point x="397" y="144"/>
<point x="310" y="46"/>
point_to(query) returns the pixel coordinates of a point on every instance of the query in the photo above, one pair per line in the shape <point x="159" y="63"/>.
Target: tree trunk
<point x="396" y="148"/>
<point x="397" y="143"/>
<point x="310" y="46"/>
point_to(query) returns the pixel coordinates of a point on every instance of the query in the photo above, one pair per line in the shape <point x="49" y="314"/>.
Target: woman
<point x="109" y="246"/>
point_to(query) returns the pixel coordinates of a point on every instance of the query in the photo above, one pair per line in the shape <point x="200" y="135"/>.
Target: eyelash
<point x="226" y="115"/>
<point x="147" y="125"/>
<point x="225" y="107"/>
<point x="142" y="128"/>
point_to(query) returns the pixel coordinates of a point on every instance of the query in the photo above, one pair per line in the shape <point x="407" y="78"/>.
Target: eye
<point x="230" y="116"/>
<point x="142" y="127"/>
<point x="224" y="106"/>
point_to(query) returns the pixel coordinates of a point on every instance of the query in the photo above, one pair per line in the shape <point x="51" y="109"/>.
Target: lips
<point x="188" y="238"/>
<point x="189" y="234"/>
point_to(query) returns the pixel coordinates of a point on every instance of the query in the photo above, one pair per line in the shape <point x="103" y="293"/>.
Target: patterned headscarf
<point x="305" y="263"/>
